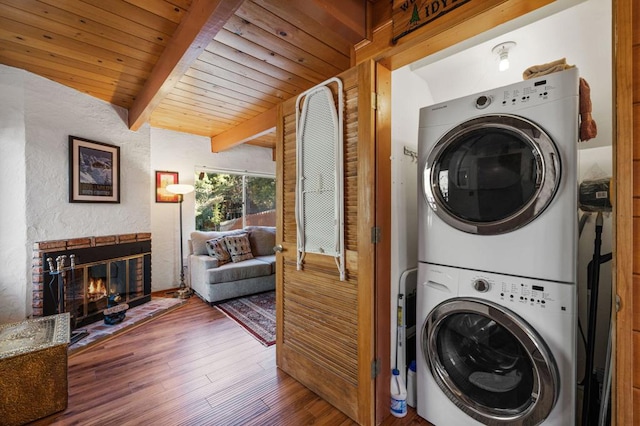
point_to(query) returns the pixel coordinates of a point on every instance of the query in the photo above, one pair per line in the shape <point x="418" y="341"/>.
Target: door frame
<point x="422" y="44"/>
<point x="383" y="247"/>
<point x="623" y="391"/>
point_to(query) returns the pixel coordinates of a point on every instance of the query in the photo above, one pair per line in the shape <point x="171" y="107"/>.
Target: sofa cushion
<point x="238" y="247"/>
<point x="238" y="271"/>
<point x="262" y="239"/>
<point x="218" y="248"/>
<point x="213" y="293"/>
<point x="200" y="238"/>
<point x="271" y="260"/>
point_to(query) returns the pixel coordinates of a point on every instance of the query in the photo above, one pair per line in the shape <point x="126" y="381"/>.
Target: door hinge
<point x="374" y="100"/>
<point x="375" y="368"/>
<point x="375" y="235"/>
<point x="618" y="303"/>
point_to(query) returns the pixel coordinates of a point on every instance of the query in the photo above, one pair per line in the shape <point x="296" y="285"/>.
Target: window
<point x="227" y="201"/>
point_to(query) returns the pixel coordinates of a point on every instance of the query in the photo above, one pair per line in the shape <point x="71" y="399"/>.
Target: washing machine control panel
<point x="535" y="92"/>
<point x="543" y="296"/>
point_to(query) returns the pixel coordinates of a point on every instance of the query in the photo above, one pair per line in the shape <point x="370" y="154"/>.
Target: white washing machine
<point x="495" y="349"/>
<point x="498" y="176"/>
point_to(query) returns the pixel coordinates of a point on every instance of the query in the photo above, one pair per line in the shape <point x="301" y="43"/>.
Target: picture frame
<point x="94" y="171"/>
<point x="164" y="178"/>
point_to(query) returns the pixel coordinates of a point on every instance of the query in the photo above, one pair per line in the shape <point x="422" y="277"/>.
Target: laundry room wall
<point x="594" y="164"/>
<point x="404" y="181"/>
<point x="471" y="67"/>
<point x="470" y="70"/>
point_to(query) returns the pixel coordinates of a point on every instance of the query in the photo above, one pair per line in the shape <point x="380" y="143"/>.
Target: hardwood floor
<point x="192" y="366"/>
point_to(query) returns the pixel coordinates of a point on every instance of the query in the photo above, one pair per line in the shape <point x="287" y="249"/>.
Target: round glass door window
<point x="492" y="174"/>
<point x="489" y="362"/>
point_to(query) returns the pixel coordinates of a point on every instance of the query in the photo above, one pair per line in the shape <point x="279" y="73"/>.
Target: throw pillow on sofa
<point x="262" y="239"/>
<point x="217" y="248"/>
<point x="238" y="247"/>
<point x="198" y="241"/>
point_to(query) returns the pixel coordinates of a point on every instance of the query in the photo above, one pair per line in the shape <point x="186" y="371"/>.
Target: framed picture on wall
<point x="164" y="178"/>
<point x="94" y="171"/>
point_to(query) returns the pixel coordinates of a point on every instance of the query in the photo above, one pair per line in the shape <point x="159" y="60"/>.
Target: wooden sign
<point x="115" y="309"/>
<point x="409" y="15"/>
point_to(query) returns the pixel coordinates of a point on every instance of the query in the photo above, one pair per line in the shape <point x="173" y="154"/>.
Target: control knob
<point x="481" y="285"/>
<point x="483" y="101"/>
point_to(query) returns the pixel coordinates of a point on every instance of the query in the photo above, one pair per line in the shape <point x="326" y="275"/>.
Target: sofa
<point x="227" y="264"/>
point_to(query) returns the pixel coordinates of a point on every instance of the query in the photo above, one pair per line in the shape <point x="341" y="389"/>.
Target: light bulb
<point x="504" y="61"/>
<point x="502" y="51"/>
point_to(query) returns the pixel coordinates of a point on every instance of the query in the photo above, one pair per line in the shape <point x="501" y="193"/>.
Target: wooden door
<point x="325" y="327"/>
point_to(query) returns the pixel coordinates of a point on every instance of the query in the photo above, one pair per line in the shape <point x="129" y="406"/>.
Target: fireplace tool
<point x="59" y="272"/>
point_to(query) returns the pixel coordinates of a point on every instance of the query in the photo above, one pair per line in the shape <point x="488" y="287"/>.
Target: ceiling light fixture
<point x="502" y="50"/>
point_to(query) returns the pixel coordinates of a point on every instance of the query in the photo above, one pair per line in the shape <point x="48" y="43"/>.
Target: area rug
<point x="255" y="313"/>
<point x="99" y="331"/>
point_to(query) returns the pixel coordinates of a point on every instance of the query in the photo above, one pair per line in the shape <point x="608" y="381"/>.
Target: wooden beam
<point x="250" y="129"/>
<point x="203" y="21"/>
<point x="346" y="18"/>
<point x="453" y="28"/>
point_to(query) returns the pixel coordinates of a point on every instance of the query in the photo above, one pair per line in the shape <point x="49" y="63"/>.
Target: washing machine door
<point x="492" y="174"/>
<point x="490" y="362"/>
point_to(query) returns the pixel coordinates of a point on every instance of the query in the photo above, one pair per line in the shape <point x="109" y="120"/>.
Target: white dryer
<point x="495" y="349"/>
<point x="498" y="176"/>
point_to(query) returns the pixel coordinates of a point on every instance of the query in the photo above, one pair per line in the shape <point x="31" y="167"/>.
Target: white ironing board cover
<point x="319" y="186"/>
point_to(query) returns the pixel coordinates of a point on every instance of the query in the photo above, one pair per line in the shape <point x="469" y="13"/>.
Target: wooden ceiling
<point x="215" y="68"/>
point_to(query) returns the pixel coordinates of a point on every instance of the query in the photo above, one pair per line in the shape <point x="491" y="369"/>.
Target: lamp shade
<point x="179" y="189"/>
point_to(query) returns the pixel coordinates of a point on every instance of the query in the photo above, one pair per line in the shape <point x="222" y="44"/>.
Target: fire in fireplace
<point x="96" y="290"/>
<point x="99" y="271"/>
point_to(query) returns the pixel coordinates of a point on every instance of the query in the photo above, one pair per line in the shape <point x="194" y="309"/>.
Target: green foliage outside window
<point x="261" y="194"/>
<point x="219" y="204"/>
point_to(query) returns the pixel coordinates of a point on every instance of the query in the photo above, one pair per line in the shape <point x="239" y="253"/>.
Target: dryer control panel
<point x="531" y="92"/>
<point x="518" y="293"/>
<point x="523" y="94"/>
<point x="540" y="90"/>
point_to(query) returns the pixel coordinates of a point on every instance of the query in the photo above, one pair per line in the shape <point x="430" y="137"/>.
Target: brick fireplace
<point x="103" y="265"/>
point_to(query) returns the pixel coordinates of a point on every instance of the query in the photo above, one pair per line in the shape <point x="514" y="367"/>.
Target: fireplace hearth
<point x="102" y="266"/>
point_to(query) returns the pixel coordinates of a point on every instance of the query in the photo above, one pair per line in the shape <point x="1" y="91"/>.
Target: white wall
<point x="37" y="117"/>
<point x="13" y="226"/>
<point x="408" y="93"/>
<point x="581" y="34"/>
<point x="185" y="153"/>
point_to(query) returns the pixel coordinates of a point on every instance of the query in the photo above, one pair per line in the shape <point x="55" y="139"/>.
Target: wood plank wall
<point x="321" y="326"/>
<point x="636" y="207"/>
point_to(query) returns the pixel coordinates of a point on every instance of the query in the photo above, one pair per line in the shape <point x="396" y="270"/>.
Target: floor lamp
<point x="180" y="190"/>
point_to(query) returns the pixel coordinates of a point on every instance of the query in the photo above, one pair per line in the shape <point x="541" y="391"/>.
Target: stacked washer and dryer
<point x="496" y="297"/>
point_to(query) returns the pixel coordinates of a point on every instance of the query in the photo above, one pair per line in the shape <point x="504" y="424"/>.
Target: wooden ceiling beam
<point x="250" y="129"/>
<point x="344" y="17"/>
<point x="203" y="21"/>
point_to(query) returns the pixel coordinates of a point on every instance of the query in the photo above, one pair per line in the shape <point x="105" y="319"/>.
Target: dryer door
<point x="490" y="362"/>
<point x="492" y="174"/>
